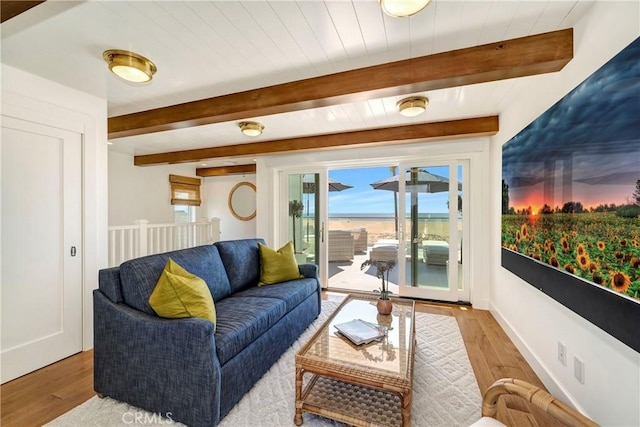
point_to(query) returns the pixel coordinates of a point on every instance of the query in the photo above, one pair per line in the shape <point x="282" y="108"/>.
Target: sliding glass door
<point x="305" y="225"/>
<point x="430" y="252"/>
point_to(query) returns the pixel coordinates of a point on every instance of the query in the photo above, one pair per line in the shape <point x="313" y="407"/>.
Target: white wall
<point x="31" y="97"/>
<point x="216" y="192"/>
<point x="143" y="192"/>
<point x="535" y="322"/>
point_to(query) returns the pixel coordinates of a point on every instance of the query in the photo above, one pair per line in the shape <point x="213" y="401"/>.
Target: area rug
<point x="445" y="389"/>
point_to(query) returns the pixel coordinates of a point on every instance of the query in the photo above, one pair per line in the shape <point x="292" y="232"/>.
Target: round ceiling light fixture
<point x="413" y="106"/>
<point x="129" y="66"/>
<point x="403" y="8"/>
<point x="251" y="128"/>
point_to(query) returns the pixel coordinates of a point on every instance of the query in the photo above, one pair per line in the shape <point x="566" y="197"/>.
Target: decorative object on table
<point x="382" y="272"/>
<point x="359" y="331"/>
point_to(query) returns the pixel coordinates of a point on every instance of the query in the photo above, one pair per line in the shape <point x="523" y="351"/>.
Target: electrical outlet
<point x="562" y="354"/>
<point x="578" y="369"/>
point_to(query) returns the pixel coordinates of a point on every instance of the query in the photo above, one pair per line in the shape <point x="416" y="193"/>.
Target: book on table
<point x="359" y="331"/>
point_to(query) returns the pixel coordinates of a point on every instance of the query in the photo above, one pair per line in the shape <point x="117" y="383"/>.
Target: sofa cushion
<point x="242" y="262"/>
<point x="292" y="292"/>
<point x="277" y="266"/>
<point x="139" y="276"/>
<point x="242" y="320"/>
<point x="179" y="294"/>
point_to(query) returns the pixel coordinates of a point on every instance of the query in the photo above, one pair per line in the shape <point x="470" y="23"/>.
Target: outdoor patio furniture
<point x="340" y="245"/>
<point x="435" y="252"/>
<point x="360" y="237"/>
<point x="384" y="250"/>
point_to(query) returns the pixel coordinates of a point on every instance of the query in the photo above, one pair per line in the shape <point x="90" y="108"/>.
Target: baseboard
<point x="548" y="379"/>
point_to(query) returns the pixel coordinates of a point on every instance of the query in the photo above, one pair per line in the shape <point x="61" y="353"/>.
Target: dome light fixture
<point x="413" y="106"/>
<point x="251" y="128"/>
<point x="403" y="8"/>
<point x="129" y="66"/>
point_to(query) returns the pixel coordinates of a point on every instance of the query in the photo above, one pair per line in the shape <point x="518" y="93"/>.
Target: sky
<point x="362" y="198"/>
<point x="586" y="147"/>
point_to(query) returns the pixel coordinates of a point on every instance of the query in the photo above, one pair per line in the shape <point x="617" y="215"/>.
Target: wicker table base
<point x="349" y="388"/>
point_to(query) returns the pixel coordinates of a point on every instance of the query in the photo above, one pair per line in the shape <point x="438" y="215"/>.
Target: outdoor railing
<point x="132" y="241"/>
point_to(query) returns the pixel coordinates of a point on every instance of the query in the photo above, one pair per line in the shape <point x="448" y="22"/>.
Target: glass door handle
<point x="322" y="232"/>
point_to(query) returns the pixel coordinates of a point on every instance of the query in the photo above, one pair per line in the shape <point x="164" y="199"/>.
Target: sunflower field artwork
<point x="571" y="181"/>
<point x="600" y="247"/>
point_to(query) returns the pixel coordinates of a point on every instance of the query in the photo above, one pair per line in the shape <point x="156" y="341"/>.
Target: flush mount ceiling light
<point x="402" y="8"/>
<point x="251" y="128"/>
<point x="411" y="107"/>
<point x="129" y="66"/>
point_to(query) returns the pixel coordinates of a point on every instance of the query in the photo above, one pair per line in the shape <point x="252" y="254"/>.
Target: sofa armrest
<point x="166" y="366"/>
<point x="309" y="270"/>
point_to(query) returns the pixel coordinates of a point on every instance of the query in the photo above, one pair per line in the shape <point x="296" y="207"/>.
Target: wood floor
<point x="37" y="398"/>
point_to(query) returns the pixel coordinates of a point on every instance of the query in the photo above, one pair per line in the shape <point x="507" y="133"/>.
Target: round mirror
<point x="242" y="201"/>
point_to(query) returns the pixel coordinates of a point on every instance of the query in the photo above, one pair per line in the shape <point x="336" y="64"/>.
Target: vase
<point x="384" y="306"/>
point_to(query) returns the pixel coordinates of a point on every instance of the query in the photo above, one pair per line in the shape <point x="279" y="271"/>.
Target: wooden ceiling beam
<point x="226" y="170"/>
<point x="525" y="56"/>
<point x="400" y="134"/>
<point x="10" y="8"/>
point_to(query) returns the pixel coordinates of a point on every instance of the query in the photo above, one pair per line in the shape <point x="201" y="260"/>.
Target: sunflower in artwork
<point x="565" y="244"/>
<point x="635" y="262"/>
<point x="597" y="278"/>
<point x="524" y="231"/>
<point x="580" y="250"/>
<point x="593" y="267"/>
<point x="601" y="245"/>
<point x="624" y="243"/>
<point x="583" y="260"/>
<point x="518" y="236"/>
<point x="635" y="243"/>
<point x="569" y="268"/>
<point x="619" y="281"/>
<point x="554" y="261"/>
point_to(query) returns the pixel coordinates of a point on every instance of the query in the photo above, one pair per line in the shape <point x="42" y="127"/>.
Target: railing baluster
<point x="133" y="241"/>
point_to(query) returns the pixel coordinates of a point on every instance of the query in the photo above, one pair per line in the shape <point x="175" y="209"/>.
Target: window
<point x="185" y="190"/>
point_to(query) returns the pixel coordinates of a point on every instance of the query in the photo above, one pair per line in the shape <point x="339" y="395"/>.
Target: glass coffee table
<point x="363" y="385"/>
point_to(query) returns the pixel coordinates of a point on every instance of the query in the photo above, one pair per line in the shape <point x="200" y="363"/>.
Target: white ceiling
<point x="211" y="48"/>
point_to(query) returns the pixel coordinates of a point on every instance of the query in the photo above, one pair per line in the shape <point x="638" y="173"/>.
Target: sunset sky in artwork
<point x="584" y="151"/>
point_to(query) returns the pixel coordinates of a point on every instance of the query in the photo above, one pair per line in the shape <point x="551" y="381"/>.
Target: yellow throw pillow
<point x="277" y="266"/>
<point x="179" y="294"/>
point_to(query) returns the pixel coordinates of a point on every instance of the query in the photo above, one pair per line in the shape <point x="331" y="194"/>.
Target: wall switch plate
<point x="562" y="354"/>
<point x="578" y="369"/>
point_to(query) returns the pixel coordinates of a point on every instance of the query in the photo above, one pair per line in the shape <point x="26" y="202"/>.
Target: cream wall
<point x="34" y="98"/>
<point x="216" y="192"/>
<point x="535" y="322"/>
<point x="137" y="192"/>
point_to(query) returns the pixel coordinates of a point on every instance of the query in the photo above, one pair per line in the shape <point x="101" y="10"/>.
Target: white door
<point x="433" y="227"/>
<point x="41" y="258"/>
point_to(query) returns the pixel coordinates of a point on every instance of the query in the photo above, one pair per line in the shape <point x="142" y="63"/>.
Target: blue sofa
<point x="180" y="368"/>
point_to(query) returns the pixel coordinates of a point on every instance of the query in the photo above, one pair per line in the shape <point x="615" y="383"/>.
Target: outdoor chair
<point x="360" y="237"/>
<point x="340" y="245"/>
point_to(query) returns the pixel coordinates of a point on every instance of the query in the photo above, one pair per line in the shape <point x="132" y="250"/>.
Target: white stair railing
<point x="132" y="241"/>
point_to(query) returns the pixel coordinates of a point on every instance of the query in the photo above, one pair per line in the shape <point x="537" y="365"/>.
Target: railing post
<point x="142" y="232"/>
<point x="214" y="234"/>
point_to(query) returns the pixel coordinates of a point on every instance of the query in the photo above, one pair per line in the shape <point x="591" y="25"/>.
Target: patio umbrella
<point x="416" y="181"/>
<point x="309" y="186"/>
